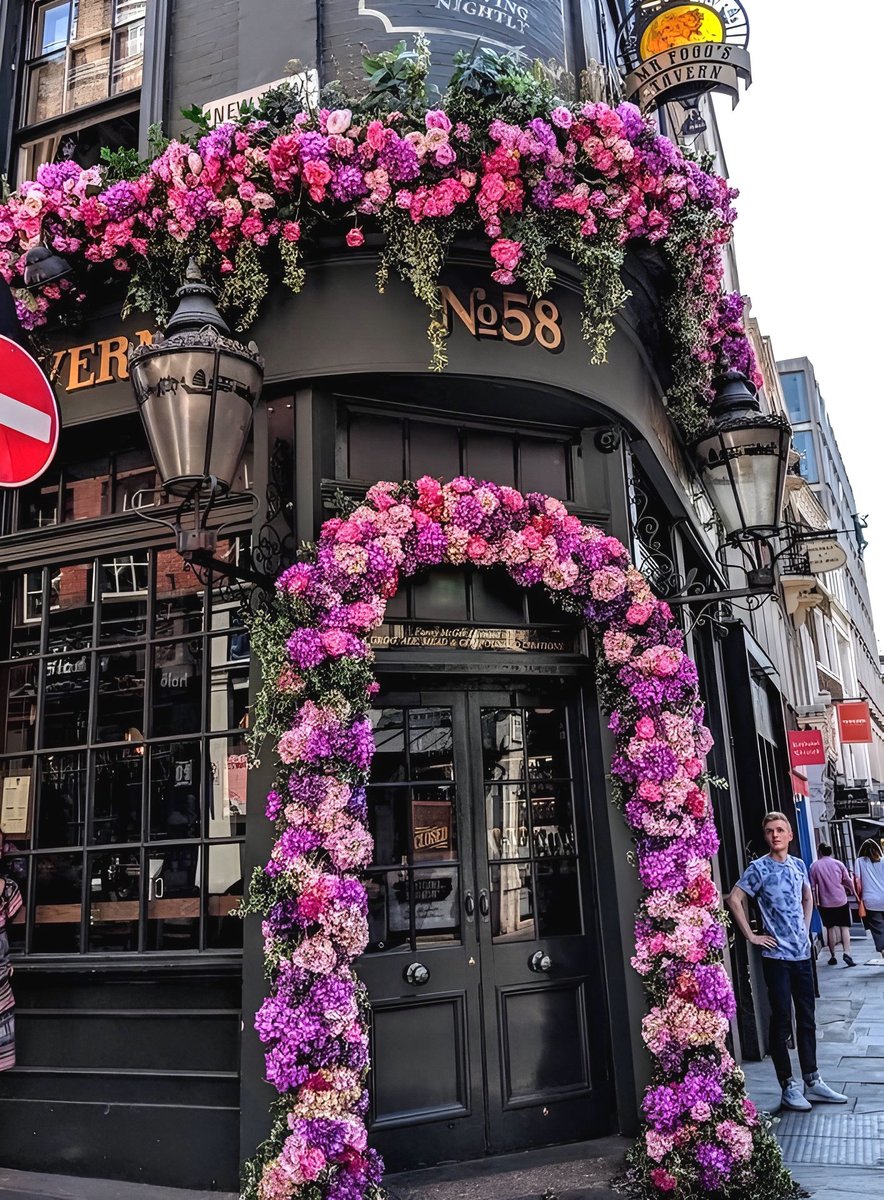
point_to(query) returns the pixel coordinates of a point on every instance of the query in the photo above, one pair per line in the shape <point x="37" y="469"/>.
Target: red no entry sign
<point x="29" y="418"/>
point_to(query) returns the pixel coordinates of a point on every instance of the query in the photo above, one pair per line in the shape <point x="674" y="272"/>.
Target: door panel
<point x="482" y="966"/>
<point x="421" y="966"/>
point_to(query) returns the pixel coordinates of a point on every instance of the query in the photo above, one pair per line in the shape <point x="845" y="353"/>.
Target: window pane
<point x="375" y="448"/>
<point x="433" y="450"/>
<point x="88" y="72"/>
<point x="45" y="90"/>
<point x="173" y="907"/>
<point x="433" y="824"/>
<point x="497" y="598"/>
<point x="512" y="904"/>
<point x="176" y="702"/>
<point x="228" y="771"/>
<point x="38" y="504"/>
<point x="544" y="467"/>
<point x="57" y="881"/>
<point x="226" y="595"/>
<point x="27" y="610"/>
<point x="547" y="743"/>
<point x="87" y="489"/>
<point x="51" y="25"/>
<point x="19" y="870"/>
<point x="225" y="889"/>
<point x="430" y="743"/>
<point x="388" y="926"/>
<point x="506" y="815"/>
<point x="229" y="690"/>
<point x="804" y="444"/>
<point x="795" y="393"/>
<point x="175" y="786"/>
<point x="440" y="595"/>
<point x="18" y="684"/>
<point x="552" y="823"/>
<point x="123" y="582"/>
<point x="16" y="811"/>
<point x="70" y="607"/>
<point x="388" y="822"/>
<point x="558" y="898"/>
<point x="116" y="806"/>
<point x="134" y="473"/>
<point x="120" y="705"/>
<point x="490" y="457"/>
<point x="92" y="16"/>
<point x="66" y="700"/>
<point x="128" y="58"/>
<point x="503" y="741"/>
<point x="128" y="10"/>
<point x="62" y="782"/>
<point x="437" y="906"/>
<point x="114" y="901"/>
<point x="180" y="598"/>
<point x="388" y="763"/>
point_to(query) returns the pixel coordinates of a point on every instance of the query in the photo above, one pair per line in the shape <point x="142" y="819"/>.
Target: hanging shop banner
<point x="851" y="802"/>
<point x="806" y="748"/>
<point x="668" y="50"/>
<point x="854" y="723"/>
<point x="799" y="784"/>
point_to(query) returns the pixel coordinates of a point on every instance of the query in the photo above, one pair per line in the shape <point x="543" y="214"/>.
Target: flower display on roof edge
<point x="702" y="1137"/>
<point x="498" y="156"/>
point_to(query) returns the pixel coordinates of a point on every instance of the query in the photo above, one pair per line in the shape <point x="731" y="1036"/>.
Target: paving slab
<point x="35" y="1185"/>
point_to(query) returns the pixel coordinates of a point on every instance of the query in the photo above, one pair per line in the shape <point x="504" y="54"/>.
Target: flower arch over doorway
<point x="702" y="1135"/>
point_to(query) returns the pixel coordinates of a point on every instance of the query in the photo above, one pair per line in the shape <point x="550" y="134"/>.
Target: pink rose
<point x="562" y="117"/>
<point x="355" y="237"/>
<point x="436" y="119"/>
<point x="339" y="121"/>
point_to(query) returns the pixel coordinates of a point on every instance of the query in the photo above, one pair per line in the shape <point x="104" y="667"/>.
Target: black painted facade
<point x="136" y="991"/>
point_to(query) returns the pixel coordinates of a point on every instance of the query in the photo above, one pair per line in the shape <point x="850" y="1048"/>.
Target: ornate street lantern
<point x="196" y="389"/>
<point x="742" y="459"/>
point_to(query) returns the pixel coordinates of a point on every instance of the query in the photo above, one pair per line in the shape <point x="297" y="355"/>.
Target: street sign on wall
<point x="29" y="420"/>
<point x="854" y="722"/>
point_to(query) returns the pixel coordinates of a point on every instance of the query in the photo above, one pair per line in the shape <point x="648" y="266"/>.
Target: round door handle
<point x="417" y="974"/>
<point x="540" y="961"/>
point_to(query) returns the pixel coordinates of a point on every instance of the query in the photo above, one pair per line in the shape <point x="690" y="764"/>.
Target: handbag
<point x="861" y="910"/>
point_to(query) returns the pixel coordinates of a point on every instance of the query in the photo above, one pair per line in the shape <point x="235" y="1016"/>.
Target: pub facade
<point x="505" y="1013"/>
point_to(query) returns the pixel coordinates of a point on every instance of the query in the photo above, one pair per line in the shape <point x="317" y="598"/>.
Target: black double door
<point x="489" y="1028"/>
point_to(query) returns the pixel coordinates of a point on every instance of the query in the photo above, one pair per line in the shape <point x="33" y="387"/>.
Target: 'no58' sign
<point x="512" y="318"/>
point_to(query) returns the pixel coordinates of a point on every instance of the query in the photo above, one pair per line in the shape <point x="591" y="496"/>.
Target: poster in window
<point x="432" y="834"/>
<point x="435" y="900"/>
<point x="235" y="796"/>
<point x="16" y="804"/>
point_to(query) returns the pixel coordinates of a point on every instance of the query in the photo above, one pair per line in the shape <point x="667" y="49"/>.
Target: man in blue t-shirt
<point x="779" y="884"/>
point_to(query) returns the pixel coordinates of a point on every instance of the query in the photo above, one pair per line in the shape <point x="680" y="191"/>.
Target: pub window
<point x="123" y="713"/>
<point x="82" y="73"/>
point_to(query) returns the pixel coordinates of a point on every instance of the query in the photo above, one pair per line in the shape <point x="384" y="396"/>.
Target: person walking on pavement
<point x="779" y="884"/>
<point x="869" y="885"/>
<point x="830" y="880"/>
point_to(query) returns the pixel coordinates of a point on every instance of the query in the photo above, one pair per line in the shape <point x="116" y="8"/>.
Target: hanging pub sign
<point x="668" y="51"/>
<point x="806" y="748"/>
<point x="851" y="802"/>
<point x="854" y="722"/>
<point x="536" y="27"/>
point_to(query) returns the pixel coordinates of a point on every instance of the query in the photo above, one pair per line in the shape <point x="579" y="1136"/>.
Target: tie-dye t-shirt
<point x="778" y="888"/>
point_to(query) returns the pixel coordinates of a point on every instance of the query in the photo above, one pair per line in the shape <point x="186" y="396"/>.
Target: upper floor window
<point x="805" y="446"/>
<point x="795" y="393"/>
<point x="83" y="67"/>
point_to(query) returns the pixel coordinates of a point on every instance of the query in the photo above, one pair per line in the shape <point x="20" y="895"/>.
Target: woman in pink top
<point x="830" y="881"/>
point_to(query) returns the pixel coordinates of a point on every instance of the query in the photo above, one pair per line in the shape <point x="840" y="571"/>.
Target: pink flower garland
<point x="703" y="1136"/>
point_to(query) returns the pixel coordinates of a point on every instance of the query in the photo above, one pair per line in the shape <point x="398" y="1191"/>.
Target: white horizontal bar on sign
<point x="24" y="419"/>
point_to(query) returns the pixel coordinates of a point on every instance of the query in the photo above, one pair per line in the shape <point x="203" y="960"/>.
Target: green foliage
<point x="397" y="79"/>
<point x="508" y="81"/>
<point x="198" y="119"/>
<point x="121" y="164"/>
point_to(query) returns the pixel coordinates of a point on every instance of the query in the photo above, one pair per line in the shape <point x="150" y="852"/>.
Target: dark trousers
<point x="791" y="982"/>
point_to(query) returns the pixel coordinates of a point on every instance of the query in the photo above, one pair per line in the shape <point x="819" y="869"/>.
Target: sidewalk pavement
<point x="835" y="1151"/>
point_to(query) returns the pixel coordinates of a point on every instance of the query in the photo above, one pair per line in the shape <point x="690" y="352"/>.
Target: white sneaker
<point x="793" y="1097"/>
<point x="822" y="1093"/>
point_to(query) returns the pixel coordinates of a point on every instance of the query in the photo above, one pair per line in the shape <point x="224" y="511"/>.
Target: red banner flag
<point x="806" y="748"/>
<point x="854" y="722"/>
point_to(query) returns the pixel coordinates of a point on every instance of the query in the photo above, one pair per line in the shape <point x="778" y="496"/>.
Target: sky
<point x="804" y="148"/>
